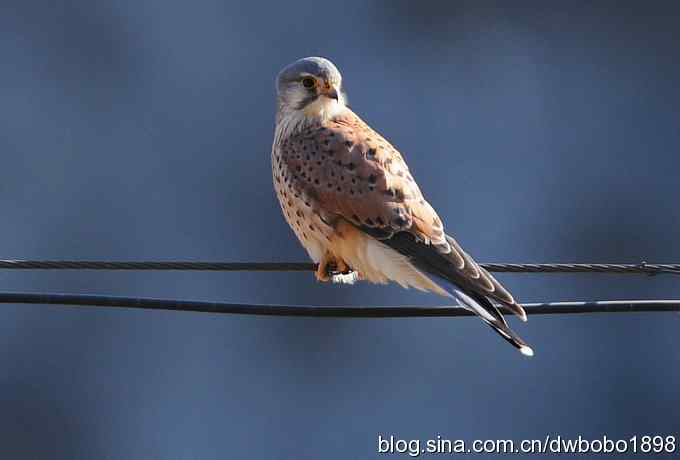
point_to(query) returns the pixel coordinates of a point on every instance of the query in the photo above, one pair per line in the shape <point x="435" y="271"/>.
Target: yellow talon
<point x="322" y="272"/>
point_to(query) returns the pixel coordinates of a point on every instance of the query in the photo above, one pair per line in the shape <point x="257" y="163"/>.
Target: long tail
<point x="490" y="314"/>
<point x="461" y="277"/>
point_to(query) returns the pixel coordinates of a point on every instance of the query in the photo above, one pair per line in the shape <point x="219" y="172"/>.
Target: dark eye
<point x="308" y="82"/>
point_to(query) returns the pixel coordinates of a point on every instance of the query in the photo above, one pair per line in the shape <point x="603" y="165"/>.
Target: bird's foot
<point x="330" y="268"/>
<point x="342" y="273"/>
<point x="323" y="272"/>
<point x="341" y="267"/>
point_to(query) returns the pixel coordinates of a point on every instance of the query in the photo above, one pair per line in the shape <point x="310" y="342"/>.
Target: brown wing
<point x="352" y="172"/>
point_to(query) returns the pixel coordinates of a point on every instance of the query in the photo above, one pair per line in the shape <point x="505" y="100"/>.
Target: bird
<point x="350" y="199"/>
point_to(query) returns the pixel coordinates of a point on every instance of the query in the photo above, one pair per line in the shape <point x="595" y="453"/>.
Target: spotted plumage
<point x="351" y="200"/>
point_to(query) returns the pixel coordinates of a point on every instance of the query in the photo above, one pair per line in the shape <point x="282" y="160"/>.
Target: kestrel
<point x="350" y="199"/>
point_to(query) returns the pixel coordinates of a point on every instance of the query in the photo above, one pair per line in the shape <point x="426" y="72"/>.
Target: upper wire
<point x="15" y="264"/>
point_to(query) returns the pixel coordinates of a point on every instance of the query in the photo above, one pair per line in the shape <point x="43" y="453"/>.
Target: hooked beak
<point x="329" y="91"/>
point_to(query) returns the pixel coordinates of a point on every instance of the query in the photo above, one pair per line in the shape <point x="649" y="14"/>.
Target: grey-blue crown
<point x="316" y="66"/>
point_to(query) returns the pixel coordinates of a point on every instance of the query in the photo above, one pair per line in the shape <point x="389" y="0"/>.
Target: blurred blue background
<point x="142" y="130"/>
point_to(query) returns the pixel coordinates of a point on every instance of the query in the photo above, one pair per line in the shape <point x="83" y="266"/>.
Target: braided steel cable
<point x="9" y="264"/>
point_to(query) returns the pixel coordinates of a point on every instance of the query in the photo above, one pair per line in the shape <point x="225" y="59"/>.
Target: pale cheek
<point x="296" y="95"/>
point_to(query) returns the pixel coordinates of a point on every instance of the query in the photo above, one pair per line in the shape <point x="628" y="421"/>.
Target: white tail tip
<point x="526" y="351"/>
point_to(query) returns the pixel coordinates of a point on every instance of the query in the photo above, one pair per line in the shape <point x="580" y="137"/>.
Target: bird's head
<point x="311" y="88"/>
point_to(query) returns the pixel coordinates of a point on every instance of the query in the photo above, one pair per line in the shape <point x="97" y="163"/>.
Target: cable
<point x="317" y="311"/>
<point x="146" y="303"/>
<point x="640" y="268"/>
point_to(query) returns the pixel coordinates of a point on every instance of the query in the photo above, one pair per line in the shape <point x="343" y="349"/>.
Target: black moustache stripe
<point x="306" y="101"/>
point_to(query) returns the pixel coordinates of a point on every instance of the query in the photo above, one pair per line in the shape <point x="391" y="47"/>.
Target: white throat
<point x="324" y="108"/>
<point x="291" y="121"/>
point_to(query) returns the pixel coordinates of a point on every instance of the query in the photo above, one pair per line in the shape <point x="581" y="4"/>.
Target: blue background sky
<point x="142" y="130"/>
